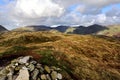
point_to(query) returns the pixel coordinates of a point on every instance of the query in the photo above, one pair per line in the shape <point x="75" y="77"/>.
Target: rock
<point x="24" y="60"/>
<point x="1" y="68"/>
<point x="59" y="76"/>
<point x="26" y="64"/>
<point x="35" y="74"/>
<point x="14" y="61"/>
<point x="4" y="72"/>
<point x="47" y="69"/>
<point x="3" y="77"/>
<point x="31" y="67"/>
<point x="38" y="79"/>
<point x="48" y="77"/>
<point x="14" y="77"/>
<point x="23" y="74"/>
<point x="16" y="64"/>
<point x="17" y="68"/>
<point x="58" y="69"/>
<point x="10" y="74"/>
<point x="54" y="75"/>
<point x="43" y="77"/>
<point x="41" y="69"/>
<point x="38" y="65"/>
<point x="24" y="68"/>
<point x="53" y="68"/>
<point x="33" y="62"/>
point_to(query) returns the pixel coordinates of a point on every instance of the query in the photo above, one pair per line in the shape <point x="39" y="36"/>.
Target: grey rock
<point x="14" y="77"/>
<point x="14" y="61"/>
<point x="10" y="74"/>
<point x="35" y="74"/>
<point x="1" y="68"/>
<point x="43" y="77"/>
<point x="41" y="69"/>
<point x="48" y="77"/>
<point x="3" y="77"/>
<point x="47" y="69"/>
<point x="23" y="74"/>
<point x="59" y="76"/>
<point x="4" y="72"/>
<point x="24" y="68"/>
<point x="26" y="64"/>
<point x="24" y="60"/>
<point x="18" y="67"/>
<point x="53" y="68"/>
<point x="38" y="65"/>
<point x="33" y="62"/>
<point x="16" y="64"/>
<point x="54" y="75"/>
<point x="58" y="69"/>
<point x="31" y="67"/>
<point x="38" y="79"/>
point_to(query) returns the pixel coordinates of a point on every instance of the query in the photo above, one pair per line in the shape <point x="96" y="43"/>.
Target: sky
<point x="17" y="13"/>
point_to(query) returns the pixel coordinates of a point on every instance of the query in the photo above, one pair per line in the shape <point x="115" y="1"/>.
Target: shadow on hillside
<point x="6" y="58"/>
<point x="109" y="38"/>
<point x="61" y="28"/>
<point x="93" y="29"/>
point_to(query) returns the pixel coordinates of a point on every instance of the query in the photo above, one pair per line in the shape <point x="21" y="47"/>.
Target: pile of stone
<point x="26" y="68"/>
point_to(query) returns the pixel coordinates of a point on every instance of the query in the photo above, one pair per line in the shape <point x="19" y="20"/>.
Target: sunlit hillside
<point x="111" y="31"/>
<point x="83" y="57"/>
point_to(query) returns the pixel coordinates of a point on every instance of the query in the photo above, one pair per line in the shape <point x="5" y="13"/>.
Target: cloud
<point x="38" y="8"/>
<point x="53" y="12"/>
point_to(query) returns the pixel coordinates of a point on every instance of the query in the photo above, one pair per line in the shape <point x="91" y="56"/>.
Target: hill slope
<point x="83" y="57"/>
<point x="113" y="30"/>
<point x="33" y="28"/>
<point x="92" y="29"/>
<point x="2" y="29"/>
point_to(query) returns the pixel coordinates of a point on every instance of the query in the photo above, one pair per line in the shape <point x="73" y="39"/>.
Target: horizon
<point x="17" y="13"/>
<point x="54" y="26"/>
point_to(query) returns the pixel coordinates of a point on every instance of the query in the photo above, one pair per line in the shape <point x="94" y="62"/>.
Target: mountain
<point x="61" y="28"/>
<point x="2" y="29"/>
<point x="92" y="29"/>
<point x="81" y="57"/>
<point x="33" y="28"/>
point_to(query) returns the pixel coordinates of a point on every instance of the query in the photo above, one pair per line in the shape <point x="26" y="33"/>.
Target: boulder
<point x="23" y="74"/>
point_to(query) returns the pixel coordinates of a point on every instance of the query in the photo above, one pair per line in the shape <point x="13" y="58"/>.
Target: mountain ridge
<point x="95" y="29"/>
<point x="3" y="29"/>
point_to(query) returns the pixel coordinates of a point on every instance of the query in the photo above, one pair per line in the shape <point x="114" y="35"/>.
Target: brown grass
<point x="86" y="57"/>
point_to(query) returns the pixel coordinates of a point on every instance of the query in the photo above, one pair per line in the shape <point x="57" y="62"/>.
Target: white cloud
<point x="38" y="8"/>
<point x="101" y="18"/>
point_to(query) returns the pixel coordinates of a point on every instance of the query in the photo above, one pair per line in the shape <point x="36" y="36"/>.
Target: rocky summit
<point x="26" y="68"/>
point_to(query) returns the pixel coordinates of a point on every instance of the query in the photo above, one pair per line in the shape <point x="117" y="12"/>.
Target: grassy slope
<point x="83" y="57"/>
<point x="113" y="30"/>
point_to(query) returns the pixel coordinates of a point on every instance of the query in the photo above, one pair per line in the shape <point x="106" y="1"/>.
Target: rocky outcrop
<point x="26" y="68"/>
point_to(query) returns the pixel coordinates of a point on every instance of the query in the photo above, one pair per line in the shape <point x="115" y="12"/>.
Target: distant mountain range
<point x="65" y="29"/>
<point x="92" y="29"/>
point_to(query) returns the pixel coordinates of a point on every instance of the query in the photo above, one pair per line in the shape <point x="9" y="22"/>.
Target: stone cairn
<point x="25" y="68"/>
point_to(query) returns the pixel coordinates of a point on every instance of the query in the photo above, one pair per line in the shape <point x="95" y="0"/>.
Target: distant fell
<point x="33" y="28"/>
<point x="113" y="30"/>
<point x="2" y="29"/>
<point x="95" y="29"/>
